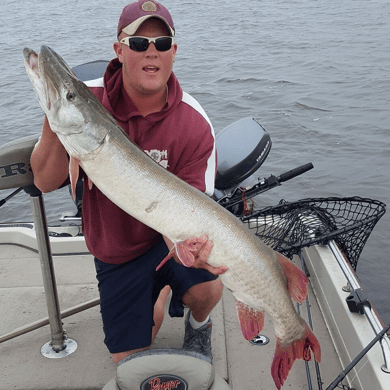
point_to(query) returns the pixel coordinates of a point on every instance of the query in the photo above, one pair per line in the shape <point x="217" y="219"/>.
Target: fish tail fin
<point x="251" y="320"/>
<point x="296" y="279"/>
<point x="285" y="355"/>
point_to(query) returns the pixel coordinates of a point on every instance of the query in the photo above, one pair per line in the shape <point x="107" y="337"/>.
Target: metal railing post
<point x="59" y="345"/>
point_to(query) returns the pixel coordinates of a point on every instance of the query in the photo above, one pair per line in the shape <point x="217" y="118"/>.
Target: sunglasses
<point x="142" y="43"/>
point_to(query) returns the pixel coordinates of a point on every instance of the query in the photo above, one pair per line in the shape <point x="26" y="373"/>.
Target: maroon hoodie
<point x="179" y="137"/>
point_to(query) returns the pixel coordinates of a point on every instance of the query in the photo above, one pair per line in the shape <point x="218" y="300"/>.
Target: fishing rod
<point x="263" y="185"/>
<point x="3" y="201"/>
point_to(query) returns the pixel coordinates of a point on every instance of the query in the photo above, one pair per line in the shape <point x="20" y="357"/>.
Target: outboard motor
<point x="242" y="148"/>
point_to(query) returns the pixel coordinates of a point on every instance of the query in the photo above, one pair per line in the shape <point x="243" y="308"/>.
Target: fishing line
<point x="357" y="371"/>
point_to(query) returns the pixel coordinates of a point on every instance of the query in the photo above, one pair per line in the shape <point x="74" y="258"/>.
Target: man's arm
<point x="49" y="161"/>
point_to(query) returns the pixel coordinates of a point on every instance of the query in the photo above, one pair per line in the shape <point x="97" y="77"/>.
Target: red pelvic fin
<point x="185" y="250"/>
<point x="73" y="174"/>
<point x="285" y="355"/>
<point x="251" y="320"/>
<point x="296" y="279"/>
<point x="182" y="251"/>
<point x="166" y="258"/>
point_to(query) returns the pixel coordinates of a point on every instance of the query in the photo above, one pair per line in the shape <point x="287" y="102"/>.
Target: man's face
<point x="146" y="73"/>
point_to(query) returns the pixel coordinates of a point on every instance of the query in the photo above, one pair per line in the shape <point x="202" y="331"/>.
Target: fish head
<point x="74" y="113"/>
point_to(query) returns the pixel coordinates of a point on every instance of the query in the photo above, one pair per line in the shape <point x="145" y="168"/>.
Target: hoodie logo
<point x="160" y="156"/>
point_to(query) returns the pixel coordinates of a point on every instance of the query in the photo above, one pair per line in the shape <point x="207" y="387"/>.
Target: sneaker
<point x="198" y="340"/>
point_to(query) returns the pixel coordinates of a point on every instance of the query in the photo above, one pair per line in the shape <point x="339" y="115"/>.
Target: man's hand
<point x="193" y="252"/>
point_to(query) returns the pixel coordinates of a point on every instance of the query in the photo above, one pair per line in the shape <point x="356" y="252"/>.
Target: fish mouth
<point x="35" y="71"/>
<point x="32" y="59"/>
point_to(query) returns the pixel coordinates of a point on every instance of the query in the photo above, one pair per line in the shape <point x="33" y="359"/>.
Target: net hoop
<point x="291" y="226"/>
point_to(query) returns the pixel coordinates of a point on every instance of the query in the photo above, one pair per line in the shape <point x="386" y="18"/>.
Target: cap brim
<point x="132" y="28"/>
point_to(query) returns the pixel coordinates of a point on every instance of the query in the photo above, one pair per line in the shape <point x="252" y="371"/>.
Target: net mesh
<point x="291" y="226"/>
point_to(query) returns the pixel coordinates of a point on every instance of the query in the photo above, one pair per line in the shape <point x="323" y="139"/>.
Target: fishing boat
<point x="51" y="333"/>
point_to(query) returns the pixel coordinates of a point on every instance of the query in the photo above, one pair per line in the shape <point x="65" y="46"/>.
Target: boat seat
<point x="15" y="169"/>
<point x="168" y="368"/>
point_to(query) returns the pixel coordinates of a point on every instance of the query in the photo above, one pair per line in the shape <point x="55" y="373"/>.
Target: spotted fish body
<point x="260" y="279"/>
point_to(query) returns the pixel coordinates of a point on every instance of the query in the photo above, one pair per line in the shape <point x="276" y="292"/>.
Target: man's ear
<point x="118" y="51"/>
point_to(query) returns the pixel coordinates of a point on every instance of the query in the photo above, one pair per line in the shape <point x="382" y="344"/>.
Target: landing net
<point x="291" y="226"/>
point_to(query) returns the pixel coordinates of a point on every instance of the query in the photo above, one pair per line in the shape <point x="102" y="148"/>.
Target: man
<point x="140" y="90"/>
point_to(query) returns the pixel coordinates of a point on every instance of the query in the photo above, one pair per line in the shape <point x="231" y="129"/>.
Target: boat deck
<point x="242" y="365"/>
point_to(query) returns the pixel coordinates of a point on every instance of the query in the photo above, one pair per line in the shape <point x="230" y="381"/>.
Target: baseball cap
<point x="134" y="14"/>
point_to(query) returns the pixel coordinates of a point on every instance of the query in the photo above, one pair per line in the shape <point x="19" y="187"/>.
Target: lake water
<point x="315" y="74"/>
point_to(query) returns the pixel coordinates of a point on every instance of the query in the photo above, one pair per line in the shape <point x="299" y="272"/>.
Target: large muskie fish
<point x="261" y="279"/>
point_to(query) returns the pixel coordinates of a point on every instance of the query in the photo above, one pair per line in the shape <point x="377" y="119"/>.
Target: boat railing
<point x="363" y="303"/>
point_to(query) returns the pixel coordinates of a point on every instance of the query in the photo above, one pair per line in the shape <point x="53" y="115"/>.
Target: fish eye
<point x="70" y="96"/>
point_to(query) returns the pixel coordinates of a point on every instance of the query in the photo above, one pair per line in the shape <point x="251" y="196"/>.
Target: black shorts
<point x="129" y="291"/>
